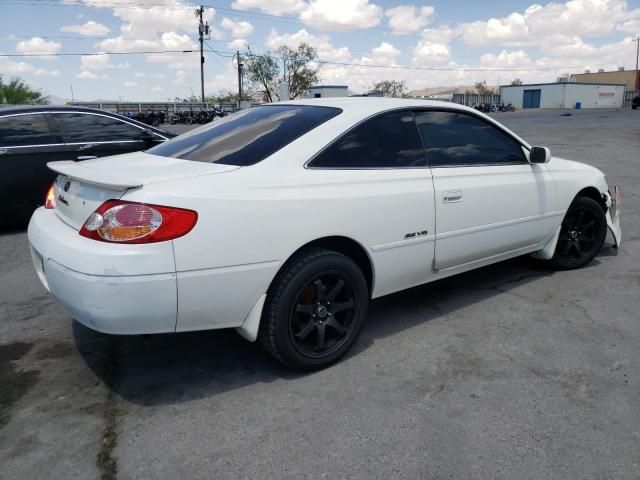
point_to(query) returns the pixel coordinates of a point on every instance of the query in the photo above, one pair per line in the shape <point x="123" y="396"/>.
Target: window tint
<point x="246" y="137"/>
<point x="388" y="141"/>
<point x="82" y="127"/>
<point x="460" y="139"/>
<point x="25" y="130"/>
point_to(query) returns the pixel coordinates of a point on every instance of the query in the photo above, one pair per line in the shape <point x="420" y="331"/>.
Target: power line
<point x="77" y="54"/>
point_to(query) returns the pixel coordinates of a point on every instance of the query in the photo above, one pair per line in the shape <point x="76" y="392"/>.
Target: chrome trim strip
<point x="506" y="223"/>
<point x="73" y="143"/>
<point x="62" y="112"/>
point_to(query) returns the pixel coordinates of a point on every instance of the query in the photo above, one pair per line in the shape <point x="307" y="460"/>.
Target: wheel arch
<point x="594" y="194"/>
<point x="346" y="246"/>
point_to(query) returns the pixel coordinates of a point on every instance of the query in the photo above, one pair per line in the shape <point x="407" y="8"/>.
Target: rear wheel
<point x="314" y="310"/>
<point x="582" y="234"/>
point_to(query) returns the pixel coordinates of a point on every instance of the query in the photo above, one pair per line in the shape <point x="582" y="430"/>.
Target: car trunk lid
<point x="81" y="187"/>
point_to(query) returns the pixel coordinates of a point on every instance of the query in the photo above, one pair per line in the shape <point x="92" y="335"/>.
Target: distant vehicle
<point x="31" y="136"/>
<point x="284" y="220"/>
<point x="635" y="103"/>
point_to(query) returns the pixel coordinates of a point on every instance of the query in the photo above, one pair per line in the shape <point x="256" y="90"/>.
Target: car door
<point x="379" y="167"/>
<point x="90" y="135"/>
<point x="490" y="201"/>
<point x="27" y="142"/>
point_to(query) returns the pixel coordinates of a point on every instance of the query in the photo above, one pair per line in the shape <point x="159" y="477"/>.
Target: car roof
<point x="6" y="109"/>
<point x="366" y="106"/>
<point x="15" y="109"/>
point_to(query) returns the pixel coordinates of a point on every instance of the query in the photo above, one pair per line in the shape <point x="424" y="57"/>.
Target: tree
<point x="516" y="81"/>
<point x="394" y="88"/>
<point x="262" y="74"/>
<point x="482" y="89"/>
<point x="301" y="68"/>
<point x="17" y="92"/>
<point x="223" y="96"/>
<point x="299" y="71"/>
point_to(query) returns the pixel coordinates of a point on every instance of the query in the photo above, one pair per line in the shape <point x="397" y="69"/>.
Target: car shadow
<point x="174" y="368"/>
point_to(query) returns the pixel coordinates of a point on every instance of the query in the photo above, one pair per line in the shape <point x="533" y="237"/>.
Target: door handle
<point x="452" y="196"/>
<point x="87" y="157"/>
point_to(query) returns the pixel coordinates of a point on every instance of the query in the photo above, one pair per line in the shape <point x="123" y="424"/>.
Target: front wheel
<point x="314" y="309"/>
<point x="582" y="234"/>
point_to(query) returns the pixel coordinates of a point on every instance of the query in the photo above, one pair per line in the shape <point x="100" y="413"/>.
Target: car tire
<point x="582" y="234"/>
<point x="314" y="310"/>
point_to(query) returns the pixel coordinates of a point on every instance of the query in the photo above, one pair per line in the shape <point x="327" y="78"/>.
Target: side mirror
<point x="539" y="155"/>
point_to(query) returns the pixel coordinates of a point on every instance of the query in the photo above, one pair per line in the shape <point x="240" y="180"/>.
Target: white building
<point x="324" y="91"/>
<point x="563" y="95"/>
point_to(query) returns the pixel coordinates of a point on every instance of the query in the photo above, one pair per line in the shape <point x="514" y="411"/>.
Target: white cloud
<point x="89" y="29"/>
<point x="139" y="75"/>
<point x="21" y="69"/>
<point x="326" y="50"/>
<point x="427" y="54"/>
<point x="180" y="78"/>
<point x="156" y="89"/>
<point x="179" y="60"/>
<point x="531" y="27"/>
<point x="87" y="75"/>
<point x="38" y="45"/>
<point x="631" y="22"/>
<point x="341" y="15"/>
<point x="385" y="53"/>
<point x="272" y="7"/>
<point x="130" y="84"/>
<point x="405" y="19"/>
<point x="100" y="62"/>
<point x="238" y="29"/>
<point x="238" y="44"/>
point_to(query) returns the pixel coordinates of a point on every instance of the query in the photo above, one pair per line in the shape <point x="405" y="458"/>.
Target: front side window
<point x="388" y="141"/>
<point x="25" y="130"/>
<point x="88" y="128"/>
<point x="453" y="138"/>
<point x="246" y="137"/>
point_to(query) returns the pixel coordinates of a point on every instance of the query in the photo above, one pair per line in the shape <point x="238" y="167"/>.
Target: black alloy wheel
<point x="314" y="310"/>
<point x="322" y="316"/>
<point x="582" y="234"/>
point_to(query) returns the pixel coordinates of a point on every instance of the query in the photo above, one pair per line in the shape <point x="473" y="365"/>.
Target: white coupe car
<point x="284" y="220"/>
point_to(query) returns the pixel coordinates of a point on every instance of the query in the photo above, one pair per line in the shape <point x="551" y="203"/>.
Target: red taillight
<point x="50" y="199"/>
<point x="118" y="221"/>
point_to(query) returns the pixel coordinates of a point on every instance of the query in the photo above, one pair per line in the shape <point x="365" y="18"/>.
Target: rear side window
<point x="87" y="128"/>
<point x="388" y="141"/>
<point x="25" y="130"/>
<point x="459" y="139"/>
<point x="246" y="137"/>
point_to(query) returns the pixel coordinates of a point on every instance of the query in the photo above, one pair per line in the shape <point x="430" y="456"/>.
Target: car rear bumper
<point x="111" y="288"/>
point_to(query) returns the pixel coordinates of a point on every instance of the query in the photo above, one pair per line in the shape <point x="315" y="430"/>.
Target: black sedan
<point x="31" y="136"/>
<point x="635" y="103"/>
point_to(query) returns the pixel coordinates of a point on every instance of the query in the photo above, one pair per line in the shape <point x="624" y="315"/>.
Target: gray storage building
<point x="563" y="95"/>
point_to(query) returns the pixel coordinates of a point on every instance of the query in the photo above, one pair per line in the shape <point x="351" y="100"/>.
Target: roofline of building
<point x="609" y="71"/>
<point x="328" y="86"/>
<point x="565" y="83"/>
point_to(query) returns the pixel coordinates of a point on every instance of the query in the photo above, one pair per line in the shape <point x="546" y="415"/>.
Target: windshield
<point x="246" y="137"/>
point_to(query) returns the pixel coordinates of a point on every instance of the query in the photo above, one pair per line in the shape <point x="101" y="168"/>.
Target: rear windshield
<point x="246" y="137"/>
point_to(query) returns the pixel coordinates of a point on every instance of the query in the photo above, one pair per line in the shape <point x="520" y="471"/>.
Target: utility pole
<point x="239" y="79"/>
<point x="203" y="29"/>
<point x="637" y="52"/>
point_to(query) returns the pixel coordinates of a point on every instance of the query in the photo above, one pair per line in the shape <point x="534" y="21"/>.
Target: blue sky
<point x="426" y="44"/>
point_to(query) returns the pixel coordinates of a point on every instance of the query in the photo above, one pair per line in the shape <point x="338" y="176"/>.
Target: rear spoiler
<point x="81" y="172"/>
